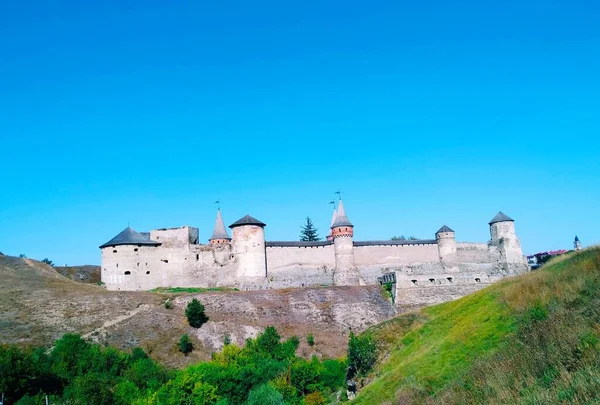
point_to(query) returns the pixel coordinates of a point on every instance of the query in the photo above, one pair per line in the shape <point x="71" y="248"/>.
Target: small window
<point x="478" y="280"/>
<point x="414" y="282"/>
<point x="432" y="280"/>
<point x="197" y="257"/>
<point x="164" y="260"/>
<point x="115" y="251"/>
<point x="231" y="256"/>
<point x="449" y="279"/>
<point x="135" y="250"/>
<point x="138" y="265"/>
<point x="148" y="272"/>
<point x="117" y="264"/>
<point x="127" y="273"/>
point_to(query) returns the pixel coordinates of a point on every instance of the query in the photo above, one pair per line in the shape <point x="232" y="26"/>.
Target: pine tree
<point x="309" y="232"/>
<point x="195" y="314"/>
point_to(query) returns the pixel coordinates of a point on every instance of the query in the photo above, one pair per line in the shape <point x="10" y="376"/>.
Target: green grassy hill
<point x="532" y="339"/>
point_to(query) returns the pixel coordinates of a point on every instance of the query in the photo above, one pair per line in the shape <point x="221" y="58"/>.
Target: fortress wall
<point x="476" y="253"/>
<point x="453" y="283"/>
<point x="300" y="266"/>
<point x="169" y="237"/>
<point x="130" y="268"/>
<point x="395" y="255"/>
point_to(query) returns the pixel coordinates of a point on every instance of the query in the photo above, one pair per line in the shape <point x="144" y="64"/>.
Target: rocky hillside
<point x="531" y="339"/>
<point x="83" y="274"/>
<point x="38" y="305"/>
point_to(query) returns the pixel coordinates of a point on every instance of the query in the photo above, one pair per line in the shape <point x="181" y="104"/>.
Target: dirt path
<point x="102" y="329"/>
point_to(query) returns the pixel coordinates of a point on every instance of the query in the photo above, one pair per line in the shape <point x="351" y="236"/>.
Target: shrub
<point x="315" y="398"/>
<point x="227" y="340"/>
<point x="22" y="256"/>
<point x="185" y="344"/>
<point x="310" y="339"/>
<point x="265" y="395"/>
<point x="48" y="262"/>
<point x="362" y="353"/>
<point x="195" y="314"/>
<point x="168" y="304"/>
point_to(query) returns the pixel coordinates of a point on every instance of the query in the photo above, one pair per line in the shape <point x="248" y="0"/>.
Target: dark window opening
<point x="432" y="280"/>
<point x="231" y="256"/>
<point x="449" y="279"/>
<point x="148" y="272"/>
<point x="127" y="273"/>
<point x="414" y="282"/>
<point x="197" y="257"/>
<point x="138" y="265"/>
<point x="117" y="264"/>
<point x="164" y="260"/>
<point x="135" y="250"/>
<point x="478" y="280"/>
<point x="115" y="251"/>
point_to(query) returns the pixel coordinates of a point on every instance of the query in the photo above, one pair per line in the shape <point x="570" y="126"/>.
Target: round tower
<point x="219" y="235"/>
<point x="446" y="242"/>
<point x="248" y="239"/>
<point x="502" y="227"/>
<point x="502" y="231"/>
<point x="577" y="243"/>
<point x="342" y="232"/>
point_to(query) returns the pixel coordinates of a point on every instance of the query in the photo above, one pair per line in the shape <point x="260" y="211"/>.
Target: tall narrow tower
<point x="577" y="243"/>
<point x="446" y="242"/>
<point x="342" y="232"/>
<point x="219" y="235"/>
<point x="502" y="231"/>
<point x="248" y="235"/>
<point x="330" y="236"/>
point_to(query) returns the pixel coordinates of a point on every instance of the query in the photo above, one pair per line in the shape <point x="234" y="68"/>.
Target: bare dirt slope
<point x="83" y="274"/>
<point x="38" y="305"/>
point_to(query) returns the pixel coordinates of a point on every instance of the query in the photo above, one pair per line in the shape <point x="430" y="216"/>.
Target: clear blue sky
<point x="422" y="113"/>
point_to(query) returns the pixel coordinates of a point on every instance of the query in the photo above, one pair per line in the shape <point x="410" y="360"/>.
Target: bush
<point x="185" y="344"/>
<point x="362" y="353"/>
<point x="195" y="314"/>
<point x="48" y="262"/>
<point x="310" y="339"/>
<point x="265" y="395"/>
<point x="168" y="304"/>
<point x="227" y="340"/>
<point x="315" y="398"/>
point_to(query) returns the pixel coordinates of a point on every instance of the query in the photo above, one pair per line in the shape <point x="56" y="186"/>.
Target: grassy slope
<point x="528" y="339"/>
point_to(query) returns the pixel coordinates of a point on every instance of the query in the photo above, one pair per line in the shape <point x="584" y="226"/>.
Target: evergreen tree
<point x="185" y="344"/>
<point x="309" y="232"/>
<point x="195" y="314"/>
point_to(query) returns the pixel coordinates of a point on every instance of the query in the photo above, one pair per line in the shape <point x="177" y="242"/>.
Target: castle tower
<point x="248" y="238"/>
<point x="446" y="242"/>
<point x="502" y="231"/>
<point x="219" y="235"/>
<point x="577" y="243"/>
<point x="330" y="236"/>
<point x="342" y="232"/>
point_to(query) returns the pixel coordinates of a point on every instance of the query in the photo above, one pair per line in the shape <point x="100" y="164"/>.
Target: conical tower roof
<point x="130" y="237"/>
<point x="333" y="217"/>
<point x="247" y="220"/>
<point x="444" y="228"/>
<point x="341" y="219"/>
<point x="219" y="231"/>
<point x="501" y="217"/>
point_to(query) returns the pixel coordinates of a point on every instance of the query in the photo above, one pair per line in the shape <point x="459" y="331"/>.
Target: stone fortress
<point x="421" y="271"/>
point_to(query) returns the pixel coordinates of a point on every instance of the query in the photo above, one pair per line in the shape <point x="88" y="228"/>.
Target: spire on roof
<point x="341" y="219"/>
<point x="333" y="217"/>
<point x="576" y="238"/>
<point x="501" y="217"/>
<point x="219" y="231"/>
<point x="130" y="237"/>
<point x="444" y="228"/>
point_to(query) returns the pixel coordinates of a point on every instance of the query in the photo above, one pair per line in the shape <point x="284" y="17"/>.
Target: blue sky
<point x="422" y="114"/>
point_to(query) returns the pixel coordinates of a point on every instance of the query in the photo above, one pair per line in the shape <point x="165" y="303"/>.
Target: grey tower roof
<point x="576" y="238"/>
<point x="501" y="217"/>
<point x="444" y="228"/>
<point x="341" y="219"/>
<point x="130" y="237"/>
<point x="247" y="220"/>
<point x="219" y="231"/>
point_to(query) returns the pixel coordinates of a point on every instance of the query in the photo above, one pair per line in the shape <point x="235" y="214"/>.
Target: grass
<point x="179" y="290"/>
<point x="529" y="339"/>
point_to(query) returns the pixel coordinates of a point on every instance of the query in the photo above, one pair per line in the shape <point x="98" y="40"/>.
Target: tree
<point x="185" y="344"/>
<point x="309" y="232"/>
<point x="22" y="256"/>
<point x="48" y="262"/>
<point x="195" y="314"/>
<point x="362" y="353"/>
<point x="402" y="237"/>
<point x="310" y="339"/>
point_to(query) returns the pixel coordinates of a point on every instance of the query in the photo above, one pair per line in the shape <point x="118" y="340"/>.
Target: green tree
<point x="48" y="262"/>
<point x="185" y="344"/>
<point x="22" y="256"/>
<point x="362" y="353"/>
<point x="310" y="339"/>
<point x="265" y="394"/>
<point x="195" y="314"/>
<point x="401" y="237"/>
<point x="308" y="232"/>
